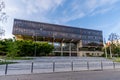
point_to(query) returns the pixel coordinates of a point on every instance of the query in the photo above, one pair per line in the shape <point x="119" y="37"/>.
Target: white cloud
<point x="100" y="6"/>
<point x="41" y="10"/>
<point x="110" y="28"/>
<point x="42" y="6"/>
<point x="86" y="8"/>
<point x="28" y="9"/>
<point x="114" y="28"/>
<point x="108" y="2"/>
<point x="76" y="9"/>
<point x="102" y="11"/>
<point x="68" y="18"/>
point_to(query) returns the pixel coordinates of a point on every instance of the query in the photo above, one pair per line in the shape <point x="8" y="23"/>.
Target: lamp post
<point x="35" y="39"/>
<point x="105" y="51"/>
<point x="35" y="45"/>
<point x="35" y="34"/>
<point x="110" y="51"/>
<point x="53" y="41"/>
<point x="105" y="48"/>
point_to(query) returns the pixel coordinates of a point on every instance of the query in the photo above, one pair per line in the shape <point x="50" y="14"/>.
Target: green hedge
<point x="15" y="48"/>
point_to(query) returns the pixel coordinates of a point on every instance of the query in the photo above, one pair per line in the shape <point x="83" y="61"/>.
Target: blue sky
<point x="92" y="14"/>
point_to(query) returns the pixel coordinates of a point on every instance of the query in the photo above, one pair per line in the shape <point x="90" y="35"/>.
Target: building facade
<point x="67" y="41"/>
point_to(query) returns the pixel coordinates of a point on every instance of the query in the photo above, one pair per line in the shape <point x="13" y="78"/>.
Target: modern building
<point x="67" y="41"/>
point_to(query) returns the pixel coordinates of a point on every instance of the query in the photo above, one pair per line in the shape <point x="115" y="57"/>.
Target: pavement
<point x="61" y="64"/>
<point x="81" y="75"/>
<point x="45" y="67"/>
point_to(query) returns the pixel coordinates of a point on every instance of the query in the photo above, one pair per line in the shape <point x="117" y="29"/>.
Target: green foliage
<point x="115" y="49"/>
<point x="115" y="45"/>
<point x="4" y="45"/>
<point x="12" y="49"/>
<point x="43" y="49"/>
<point x="15" y="48"/>
<point x="26" y="48"/>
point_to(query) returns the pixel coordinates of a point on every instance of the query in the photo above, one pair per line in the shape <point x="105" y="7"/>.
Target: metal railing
<point x="43" y="67"/>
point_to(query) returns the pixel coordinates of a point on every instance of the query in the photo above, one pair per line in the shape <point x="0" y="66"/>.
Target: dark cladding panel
<point x="30" y="28"/>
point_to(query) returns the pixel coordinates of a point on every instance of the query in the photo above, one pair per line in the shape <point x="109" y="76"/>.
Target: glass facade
<point x="23" y="27"/>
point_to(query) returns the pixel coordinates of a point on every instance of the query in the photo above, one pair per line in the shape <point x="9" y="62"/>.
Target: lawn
<point x="18" y="58"/>
<point x="15" y="58"/>
<point x="4" y="62"/>
<point x="117" y="59"/>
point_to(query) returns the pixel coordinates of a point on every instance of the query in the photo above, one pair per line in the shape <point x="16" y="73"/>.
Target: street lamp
<point x="110" y="51"/>
<point x="105" y="48"/>
<point x="53" y="36"/>
<point x="35" y="39"/>
<point x="35" y="32"/>
<point x="35" y="45"/>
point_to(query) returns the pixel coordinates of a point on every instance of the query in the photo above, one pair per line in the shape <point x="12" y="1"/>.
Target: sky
<point x="91" y="14"/>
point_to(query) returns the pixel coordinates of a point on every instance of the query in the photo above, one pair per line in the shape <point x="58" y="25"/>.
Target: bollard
<point x="32" y="68"/>
<point x="88" y="65"/>
<point x="53" y="66"/>
<point x="6" y="68"/>
<point x="101" y="65"/>
<point x="113" y="65"/>
<point x="72" y="66"/>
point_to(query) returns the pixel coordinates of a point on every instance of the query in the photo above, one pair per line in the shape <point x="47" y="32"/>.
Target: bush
<point x="15" y="48"/>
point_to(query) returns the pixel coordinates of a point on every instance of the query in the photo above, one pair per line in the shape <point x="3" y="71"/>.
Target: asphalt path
<point x="82" y="75"/>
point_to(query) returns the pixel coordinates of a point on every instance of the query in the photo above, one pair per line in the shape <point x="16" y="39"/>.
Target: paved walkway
<point x="57" y="64"/>
<point x="82" y="75"/>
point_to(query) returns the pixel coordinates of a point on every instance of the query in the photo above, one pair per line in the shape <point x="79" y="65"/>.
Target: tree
<point x="113" y="37"/>
<point x="3" y="16"/>
<point x="26" y="48"/>
<point x="43" y="49"/>
<point x="2" y="47"/>
<point x="14" y="48"/>
<point x="114" y="43"/>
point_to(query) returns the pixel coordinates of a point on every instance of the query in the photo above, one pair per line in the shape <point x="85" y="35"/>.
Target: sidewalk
<point x="82" y="75"/>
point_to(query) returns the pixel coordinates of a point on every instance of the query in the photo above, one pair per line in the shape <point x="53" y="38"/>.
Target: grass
<point x="116" y="59"/>
<point x="4" y="59"/>
<point x="15" y="58"/>
<point x="18" y="58"/>
<point x="4" y="62"/>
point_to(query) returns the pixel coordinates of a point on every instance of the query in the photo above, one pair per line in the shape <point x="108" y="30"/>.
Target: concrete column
<point x="53" y="44"/>
<point x="70" y="49"/>
<point x="80" y="53"/>
<point x="77" y="49"/>
<point x="53" y="41"/>
<point x="43" y="38"/>
<point x="85" y="54"/>
<point x="61" y="48"/>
